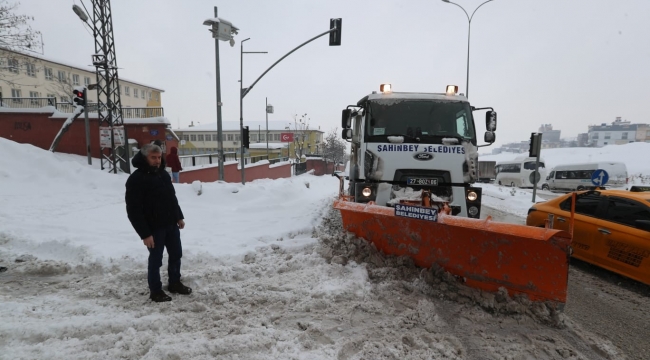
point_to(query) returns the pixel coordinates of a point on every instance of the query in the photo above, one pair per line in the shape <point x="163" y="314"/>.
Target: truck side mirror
<point x="489" y="137"/>
<point x="347" y="134"/>
<point x="491" y="121"/>
<point x="346" y="121"/>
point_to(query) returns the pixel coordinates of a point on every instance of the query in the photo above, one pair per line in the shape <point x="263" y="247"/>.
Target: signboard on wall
<point x="105" y="136"/>
<point x="286" y="137"/>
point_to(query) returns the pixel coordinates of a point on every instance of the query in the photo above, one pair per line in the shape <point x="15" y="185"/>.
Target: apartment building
<point x="203" y="138"/>
<point x="37" y="77"/>
<point x="617" y="133"/>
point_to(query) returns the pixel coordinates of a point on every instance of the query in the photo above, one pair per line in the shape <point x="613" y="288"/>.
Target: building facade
<point x="619" y="132"/>
<point x="26" y="77"/>
<point x="203" y="139"/>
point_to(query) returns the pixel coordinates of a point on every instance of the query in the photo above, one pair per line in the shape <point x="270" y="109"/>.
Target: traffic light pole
<point x="219" y="123"/>
<point x="538" y="150"/>
<point x="87" y="123"/>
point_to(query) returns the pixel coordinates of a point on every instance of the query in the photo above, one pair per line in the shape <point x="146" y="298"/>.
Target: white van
<point x="578" y="176"/>
<point x="519" y="172"/>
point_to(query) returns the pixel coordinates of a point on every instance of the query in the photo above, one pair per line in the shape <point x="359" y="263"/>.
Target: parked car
<point x="611" y="228"/>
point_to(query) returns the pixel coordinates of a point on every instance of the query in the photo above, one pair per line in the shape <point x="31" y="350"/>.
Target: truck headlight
<point x="472" y="196"/>
<point x="366" y="192"/>
<point x="473" y="211"/>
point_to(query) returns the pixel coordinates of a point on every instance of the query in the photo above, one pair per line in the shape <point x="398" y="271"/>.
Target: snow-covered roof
<point x="253" y="126"/>
<point x="67" y="64"/>
<point x="272" y="146"/>
<point x="416" y="96"/>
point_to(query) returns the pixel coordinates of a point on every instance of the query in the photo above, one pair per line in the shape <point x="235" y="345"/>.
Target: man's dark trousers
<point x="167" y="237"/>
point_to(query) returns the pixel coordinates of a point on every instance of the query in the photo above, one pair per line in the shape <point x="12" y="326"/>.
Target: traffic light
<point x="335" y="36"/>
<point x="246" y="138"/>
<point x="79" y="97"/>
<point x="535" y="145"/>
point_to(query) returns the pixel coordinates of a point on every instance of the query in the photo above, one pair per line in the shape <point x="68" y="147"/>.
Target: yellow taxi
<point x="611" y="228"/>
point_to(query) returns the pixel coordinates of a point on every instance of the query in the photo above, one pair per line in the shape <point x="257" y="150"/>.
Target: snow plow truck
<point x="414" y="160"/>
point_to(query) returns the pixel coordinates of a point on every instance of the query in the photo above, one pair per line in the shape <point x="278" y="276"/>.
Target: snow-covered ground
<point x="634" y="155"/>
<point x="271" y="279"/>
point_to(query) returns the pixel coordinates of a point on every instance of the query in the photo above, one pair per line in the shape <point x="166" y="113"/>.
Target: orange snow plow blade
<point x="486" y="254"/>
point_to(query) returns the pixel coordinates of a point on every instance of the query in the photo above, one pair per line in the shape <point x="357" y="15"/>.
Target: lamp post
<point x="241" y="105"/>
<point x="269" y="110"/>
<point x="469" y="28"/>
<point x="221" y="30"/>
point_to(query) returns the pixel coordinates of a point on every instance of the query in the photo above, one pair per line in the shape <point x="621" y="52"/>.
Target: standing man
<point x="153" y="210"/>
<point x="174" y="162"/>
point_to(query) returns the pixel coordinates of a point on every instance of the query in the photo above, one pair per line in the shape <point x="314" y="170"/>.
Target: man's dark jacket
<point x="150" y="198"/>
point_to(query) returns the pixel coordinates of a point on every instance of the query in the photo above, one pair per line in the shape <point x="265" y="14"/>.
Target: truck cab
<point x="403" y="143"/>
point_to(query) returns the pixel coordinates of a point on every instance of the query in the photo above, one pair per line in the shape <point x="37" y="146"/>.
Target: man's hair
<point x="150" y="148"/>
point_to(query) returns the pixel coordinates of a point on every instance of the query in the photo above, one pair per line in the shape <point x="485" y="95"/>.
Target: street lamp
<point x="221" y="30"/>
<point x="469" y="28"/>
<point x="241" y="104"/>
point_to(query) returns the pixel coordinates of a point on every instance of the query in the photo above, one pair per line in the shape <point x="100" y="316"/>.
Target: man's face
<point x="154" y="159"/>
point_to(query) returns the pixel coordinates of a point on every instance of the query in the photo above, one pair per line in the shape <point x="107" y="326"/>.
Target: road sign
<point x="534" y="177"/>
<point x="599" y="177"/>
<point x="105" y="136"/>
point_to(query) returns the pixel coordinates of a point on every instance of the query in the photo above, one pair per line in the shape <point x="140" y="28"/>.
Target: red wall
<point x="233" y="175"/>
<point x="39" y="129"/>
<point x="321" y="167"/>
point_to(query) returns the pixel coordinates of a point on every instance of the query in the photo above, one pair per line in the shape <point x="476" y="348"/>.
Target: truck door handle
<point x="561" y="219"/>
<point x="604" y="231"/>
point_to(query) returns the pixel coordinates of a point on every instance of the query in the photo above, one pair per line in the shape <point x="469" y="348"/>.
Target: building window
<point x="34" y="95"/>
<point x="86" y="80"/>
<point x="75" y="79"/>
<point x="237" y="137"/>
<point x="276" y="137"/>
<point x="65" y="99"/>
<point x="61" y="76"/>
<point x="31" y="70"/>
<point x="127" y="91"/>
<point x="608" y="136"/>
<point x="13" y="65"/>
<point x="135" y="92"/>
<point x="605" y="142"/>
<point x="51" y="99"/>
<point x="215" y="137"/>
<point x="595" y="136"/>
<point x="142" y="94"/>
<point x="48" y="74"/>
<point x="185" y="137"/>
<point x="230" y="137"/>
<point x="149" y="95"/>
<point x="16" y="94"/>
<point x="263" y="137"/>
<point x="647" y="133"/>
<point x="624" y="136"/>
<point x="253" y="137"/>
<point x="192" y="137"/>
<point x="156" y="96"/>
<point x="201" y="138"/>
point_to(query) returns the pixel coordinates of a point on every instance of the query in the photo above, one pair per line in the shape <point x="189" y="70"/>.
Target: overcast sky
<point x="568" y="63"/>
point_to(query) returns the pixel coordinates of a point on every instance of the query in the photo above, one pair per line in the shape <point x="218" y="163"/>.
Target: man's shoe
<point x="160" y="296"/>
<point x="179" y="288"/>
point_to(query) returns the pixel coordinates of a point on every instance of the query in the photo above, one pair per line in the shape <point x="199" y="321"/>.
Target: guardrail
<point x="65" y="107"/>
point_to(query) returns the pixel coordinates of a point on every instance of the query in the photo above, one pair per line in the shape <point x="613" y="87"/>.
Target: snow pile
<point x="271" y="280"/>
<point x="634" y="155"/>
<point x="512" y="200"/>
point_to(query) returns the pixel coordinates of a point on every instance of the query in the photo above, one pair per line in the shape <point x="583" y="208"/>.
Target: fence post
<point x="193" y="160"/>
<point x="210" y="158"/>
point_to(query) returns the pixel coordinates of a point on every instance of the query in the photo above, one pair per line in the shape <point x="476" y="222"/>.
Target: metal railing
<point x="209" y="159"/>
<point x="27" y="103"/>
<point x="65" y="107"/>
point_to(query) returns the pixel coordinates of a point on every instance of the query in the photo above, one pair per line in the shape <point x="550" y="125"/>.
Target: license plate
<point x="421" y="181"/>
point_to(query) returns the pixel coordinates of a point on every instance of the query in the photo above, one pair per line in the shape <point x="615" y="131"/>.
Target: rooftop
<point x="415" y="96"/>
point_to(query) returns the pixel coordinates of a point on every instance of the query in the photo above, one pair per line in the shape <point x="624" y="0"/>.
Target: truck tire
<point x="512" y="184"/>
<point x="545" y="187"/>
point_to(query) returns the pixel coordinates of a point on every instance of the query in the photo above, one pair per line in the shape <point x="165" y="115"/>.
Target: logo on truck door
<point x="423" y="156"/>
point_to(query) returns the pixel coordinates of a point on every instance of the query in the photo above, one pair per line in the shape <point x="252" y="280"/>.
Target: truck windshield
<point x="426" y="121"/>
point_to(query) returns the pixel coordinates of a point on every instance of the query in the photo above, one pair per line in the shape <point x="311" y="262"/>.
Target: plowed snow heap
<point x="414" y="160"/>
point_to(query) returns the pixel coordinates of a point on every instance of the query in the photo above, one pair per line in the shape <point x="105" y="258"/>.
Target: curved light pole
<point x="469" y="28"/>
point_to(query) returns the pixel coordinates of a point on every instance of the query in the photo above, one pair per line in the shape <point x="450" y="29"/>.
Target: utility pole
<point x="219" y="123"/>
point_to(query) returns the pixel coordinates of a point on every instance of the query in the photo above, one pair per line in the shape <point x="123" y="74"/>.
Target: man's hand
<point x="181" y="224"/>
<point x="148" y="242"/>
